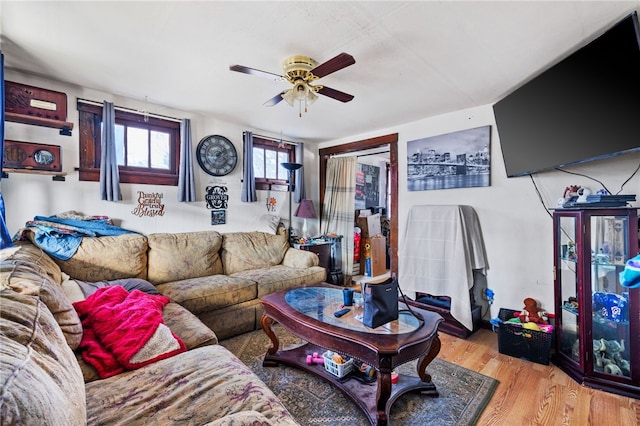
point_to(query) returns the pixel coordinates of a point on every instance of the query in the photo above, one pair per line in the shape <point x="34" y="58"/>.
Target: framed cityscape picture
<point x="218" y="217"/>
<point x="453" y="160"/>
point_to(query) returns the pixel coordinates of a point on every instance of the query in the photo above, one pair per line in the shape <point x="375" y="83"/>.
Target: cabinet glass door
<point x="568" y="331"/>
<point x="610" y="301"/>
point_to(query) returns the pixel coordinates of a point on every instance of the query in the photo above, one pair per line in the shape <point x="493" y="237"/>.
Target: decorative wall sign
<point x="455" y="160"/>
<point x="218" y="217"/>
<point x="32" y="156"/>
<point x="149" y="204"/>
<point x="217" y="197"/>
<point x="271" y="203"/>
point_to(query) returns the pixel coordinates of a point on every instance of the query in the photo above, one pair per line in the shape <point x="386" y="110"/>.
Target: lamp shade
<point x="291" y="166"/>
<point x="306" y="210"/>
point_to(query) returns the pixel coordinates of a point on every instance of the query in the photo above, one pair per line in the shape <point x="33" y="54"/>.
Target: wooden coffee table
<point x="307" y="312"/>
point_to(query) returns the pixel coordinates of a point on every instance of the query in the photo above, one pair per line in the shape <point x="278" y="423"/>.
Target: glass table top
<point x="321" y="302"/>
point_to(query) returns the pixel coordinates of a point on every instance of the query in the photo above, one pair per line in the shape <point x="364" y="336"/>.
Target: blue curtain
<point x="109" y="175"/>
<point x="4" y="231"/>
<point x="299" y="193"/>
<point x="186" y="179"/>
<point x="248" y="178"/>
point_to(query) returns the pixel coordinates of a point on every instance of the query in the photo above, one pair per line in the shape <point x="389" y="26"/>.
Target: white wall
<point x="516" y="225"/>
<point x="29" y="195"/>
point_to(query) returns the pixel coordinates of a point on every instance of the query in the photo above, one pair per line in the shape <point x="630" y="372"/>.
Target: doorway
<point x="390" y="141"/>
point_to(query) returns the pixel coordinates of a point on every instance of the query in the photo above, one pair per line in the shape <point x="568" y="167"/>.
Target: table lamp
<point x="291" y="167"/>
<point x="306" y="211"/>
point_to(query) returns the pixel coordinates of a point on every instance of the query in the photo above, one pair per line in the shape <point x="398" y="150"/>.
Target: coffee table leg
<point x="267" y="326"/>
<point x="426" y="359"/>
<point x="382" y="394"/>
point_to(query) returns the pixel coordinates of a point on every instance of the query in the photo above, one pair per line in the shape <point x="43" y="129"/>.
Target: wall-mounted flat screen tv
<point x="586" y="107"/>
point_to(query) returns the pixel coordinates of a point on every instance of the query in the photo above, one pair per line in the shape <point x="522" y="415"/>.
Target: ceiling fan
<point x="301" y="71"/>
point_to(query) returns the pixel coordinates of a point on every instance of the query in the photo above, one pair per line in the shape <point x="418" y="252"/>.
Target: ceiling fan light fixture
<point x="302" y="93"/>
<point x="301" y="71"/>
<point x="289" y="96"/>
<point x="300" y="90"/>
<point x="311" y="97"/>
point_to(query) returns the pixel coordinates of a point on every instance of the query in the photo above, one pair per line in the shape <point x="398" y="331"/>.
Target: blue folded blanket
<point x="61" y="238"/>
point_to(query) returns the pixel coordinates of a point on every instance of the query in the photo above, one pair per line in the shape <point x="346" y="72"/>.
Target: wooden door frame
<point x="392" y="141"/>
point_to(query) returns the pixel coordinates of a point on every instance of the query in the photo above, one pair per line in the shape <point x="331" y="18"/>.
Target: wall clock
<point x="216" y="155"/>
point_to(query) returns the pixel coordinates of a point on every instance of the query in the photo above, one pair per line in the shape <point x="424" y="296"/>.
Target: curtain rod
<point x="133" y="111"/>
<point x="271" y="138"/>
<point x="372" y="153"/>
<point x="355" y="154"/>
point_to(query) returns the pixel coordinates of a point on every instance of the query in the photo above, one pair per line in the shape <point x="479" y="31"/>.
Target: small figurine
<point x="608" y="356"/>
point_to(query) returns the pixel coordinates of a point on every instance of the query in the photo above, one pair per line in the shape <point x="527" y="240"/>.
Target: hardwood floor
<point x="535" y="394"/>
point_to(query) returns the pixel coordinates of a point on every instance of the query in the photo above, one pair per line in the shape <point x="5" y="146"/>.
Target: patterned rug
<point x="463" y="393"/>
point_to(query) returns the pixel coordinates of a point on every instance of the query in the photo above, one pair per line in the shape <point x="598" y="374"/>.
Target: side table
<point x="322" y="249"/>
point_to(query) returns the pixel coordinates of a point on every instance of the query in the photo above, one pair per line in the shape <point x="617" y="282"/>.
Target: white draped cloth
<point x="441" y="248"/>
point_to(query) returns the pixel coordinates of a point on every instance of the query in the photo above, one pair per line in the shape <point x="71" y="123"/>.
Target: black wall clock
<point x="216" y="155"/>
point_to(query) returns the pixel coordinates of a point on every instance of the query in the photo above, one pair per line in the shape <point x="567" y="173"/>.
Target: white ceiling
<point x="413" y="59"/>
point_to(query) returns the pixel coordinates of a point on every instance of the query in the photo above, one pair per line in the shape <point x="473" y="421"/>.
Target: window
<point x="147" y="151"/>
<point x="267" y="157"/>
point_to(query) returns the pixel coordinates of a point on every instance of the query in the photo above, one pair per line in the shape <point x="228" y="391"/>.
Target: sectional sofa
<point x="209" y="284"/>
<point x="217" y="277"/>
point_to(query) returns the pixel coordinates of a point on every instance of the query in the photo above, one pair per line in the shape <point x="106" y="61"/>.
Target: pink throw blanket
<point x="124" y="331"/>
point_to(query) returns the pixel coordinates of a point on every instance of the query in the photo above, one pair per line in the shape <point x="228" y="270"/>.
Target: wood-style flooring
<point x="535" y="394"/>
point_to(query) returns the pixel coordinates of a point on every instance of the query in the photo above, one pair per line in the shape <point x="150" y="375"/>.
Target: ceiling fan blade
<point x="343" y="60"/>
<point x="256" y="72"/>
<point x="335" y="94"/>
<point x="275" y="100"/>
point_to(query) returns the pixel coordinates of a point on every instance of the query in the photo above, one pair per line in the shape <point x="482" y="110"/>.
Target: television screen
<point x="586" y="107"/>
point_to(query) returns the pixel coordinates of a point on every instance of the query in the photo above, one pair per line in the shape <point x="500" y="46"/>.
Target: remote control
<point x="341" y="312"/>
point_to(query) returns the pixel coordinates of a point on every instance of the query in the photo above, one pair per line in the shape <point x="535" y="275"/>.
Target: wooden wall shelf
<point x="57" y="176"/>
<point x="64" y="126"/>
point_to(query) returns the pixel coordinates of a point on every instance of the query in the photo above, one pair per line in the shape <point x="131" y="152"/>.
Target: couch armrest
<point x="296" y="258"/>
<point x="187" y="326"/>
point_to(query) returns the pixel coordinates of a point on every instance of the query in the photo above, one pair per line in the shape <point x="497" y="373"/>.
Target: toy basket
<point x="518" y="342"/>
<point x="339" y="370"/>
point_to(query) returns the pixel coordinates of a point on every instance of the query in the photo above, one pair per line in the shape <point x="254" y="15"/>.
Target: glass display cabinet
<point x="597" y="333"/>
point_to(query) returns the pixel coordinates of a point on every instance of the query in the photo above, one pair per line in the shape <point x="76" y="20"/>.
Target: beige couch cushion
<point x="174" y="257"/>
<point x="24" y="272"/>
<point x="252" y="250"/>
<point x="203" y="385"/>
<point x="280" y="277"/>
<point x="41" y="382"/>
<point x="108" y="258"/>
<point x="40" y="261"/>
<point x="209" y="293"/>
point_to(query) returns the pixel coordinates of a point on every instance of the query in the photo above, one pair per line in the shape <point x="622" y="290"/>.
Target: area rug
<point x="463" y="393"/>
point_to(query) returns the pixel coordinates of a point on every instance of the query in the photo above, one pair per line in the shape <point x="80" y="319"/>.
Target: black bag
<point x="380" y="303"/>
